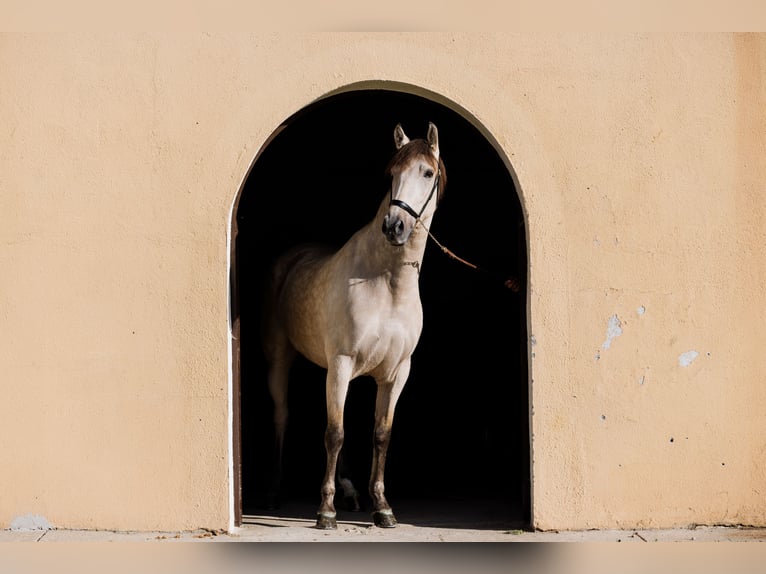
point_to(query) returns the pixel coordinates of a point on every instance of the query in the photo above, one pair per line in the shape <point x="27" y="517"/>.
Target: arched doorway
<point x="460" y="445"/>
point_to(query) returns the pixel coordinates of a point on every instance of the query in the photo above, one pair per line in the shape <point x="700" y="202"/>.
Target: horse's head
<point x="417" y="182"/>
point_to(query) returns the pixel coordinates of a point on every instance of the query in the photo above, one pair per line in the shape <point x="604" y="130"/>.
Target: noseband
<point x="406" y="207"/>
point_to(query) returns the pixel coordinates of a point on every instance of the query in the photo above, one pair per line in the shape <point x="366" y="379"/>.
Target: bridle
<point x="407" y="207"/>
<point x="511" y="282"/>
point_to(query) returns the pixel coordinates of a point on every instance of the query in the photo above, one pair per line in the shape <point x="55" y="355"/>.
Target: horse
<point x="357" y="311"/>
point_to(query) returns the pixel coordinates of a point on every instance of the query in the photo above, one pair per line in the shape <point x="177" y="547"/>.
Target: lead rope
<point x="511" y="283"/>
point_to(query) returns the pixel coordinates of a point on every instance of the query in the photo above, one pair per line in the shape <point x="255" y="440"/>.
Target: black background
<point x="461" y="430"/>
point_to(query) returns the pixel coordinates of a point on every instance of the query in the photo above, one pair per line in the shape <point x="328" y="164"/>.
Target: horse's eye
<point x="429" y="173"/>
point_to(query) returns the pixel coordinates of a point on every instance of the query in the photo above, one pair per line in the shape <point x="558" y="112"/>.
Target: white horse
<point x="357" y="311"/>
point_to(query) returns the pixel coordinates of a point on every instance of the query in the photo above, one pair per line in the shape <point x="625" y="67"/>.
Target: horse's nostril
<point x="393" y="228"/>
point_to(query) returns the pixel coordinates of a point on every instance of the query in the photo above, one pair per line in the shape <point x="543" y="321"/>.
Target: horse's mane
<point x="412" y="150"/>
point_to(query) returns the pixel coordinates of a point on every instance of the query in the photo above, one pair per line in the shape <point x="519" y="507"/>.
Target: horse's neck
<point x="379" y="257"/>
<point x="393" y="258"/>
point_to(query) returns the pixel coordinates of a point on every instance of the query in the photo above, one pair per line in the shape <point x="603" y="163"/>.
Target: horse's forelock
<point x="409" y="152"/>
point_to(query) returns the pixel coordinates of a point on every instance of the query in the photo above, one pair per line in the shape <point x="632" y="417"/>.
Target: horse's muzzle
<point x="394" y="230"/>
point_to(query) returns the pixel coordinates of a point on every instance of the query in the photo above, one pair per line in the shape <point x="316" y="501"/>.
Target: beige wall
<point x="641" y="163"/>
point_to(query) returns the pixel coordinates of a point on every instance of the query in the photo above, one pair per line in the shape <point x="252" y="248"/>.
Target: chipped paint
<point x="687" y="358"/>
<point x="30" y="522"/>
<point x="641" y="310"/>
<point x="613" y="329"/>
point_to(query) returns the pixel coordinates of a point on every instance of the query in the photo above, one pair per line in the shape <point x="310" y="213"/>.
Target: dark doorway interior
<point x="461" y="434"/>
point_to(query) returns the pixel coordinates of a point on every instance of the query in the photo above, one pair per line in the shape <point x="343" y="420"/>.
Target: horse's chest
<point x="384" y="337"/>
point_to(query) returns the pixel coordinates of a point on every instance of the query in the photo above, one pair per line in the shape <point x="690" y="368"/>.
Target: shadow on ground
<point x="474" y="514"/>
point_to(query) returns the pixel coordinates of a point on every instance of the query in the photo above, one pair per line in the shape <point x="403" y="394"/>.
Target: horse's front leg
<point x="385" y="404"/>
<point x="338" y="377"/>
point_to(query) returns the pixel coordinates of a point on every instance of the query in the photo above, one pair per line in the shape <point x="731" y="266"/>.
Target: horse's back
<point x="302" y="257"/>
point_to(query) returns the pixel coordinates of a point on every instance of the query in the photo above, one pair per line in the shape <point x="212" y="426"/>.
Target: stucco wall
<point x="640" y="161"/>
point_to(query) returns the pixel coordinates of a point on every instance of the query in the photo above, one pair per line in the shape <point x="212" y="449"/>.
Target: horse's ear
<point x="433" y="139"/>
<point x="400" y="138"/>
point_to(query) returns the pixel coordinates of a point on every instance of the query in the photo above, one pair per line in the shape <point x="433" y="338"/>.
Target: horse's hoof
<point x="384" y="519"/>
<point x="326" y="521"/>
<point x="351" y="503"/>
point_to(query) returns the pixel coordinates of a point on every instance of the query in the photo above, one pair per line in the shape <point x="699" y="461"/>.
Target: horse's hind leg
<point x="350" y="493"/>
<point x="338" y="377"/>
<point x="385" y="404"/>
<point x="280" y="357"/>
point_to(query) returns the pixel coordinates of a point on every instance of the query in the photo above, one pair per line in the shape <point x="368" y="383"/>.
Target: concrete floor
<point x="700" y="550"/>
<point x="420" y="520"/>
<point x="266" y="529"/>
